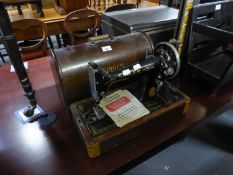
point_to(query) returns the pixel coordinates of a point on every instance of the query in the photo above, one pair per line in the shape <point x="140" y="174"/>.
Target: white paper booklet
<point x="122" y="107"/>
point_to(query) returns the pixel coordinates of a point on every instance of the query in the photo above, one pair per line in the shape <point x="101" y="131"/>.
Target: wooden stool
<point x="18" y="3"/>
<point x="120" y="1"/>
<point x="94" y="4"/>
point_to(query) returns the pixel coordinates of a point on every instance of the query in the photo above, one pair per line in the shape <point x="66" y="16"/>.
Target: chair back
<point x="121" y="7"/>
<point x="87" y="21"/>
<point x="65" y="6"/>
<point x="24" y="26"/>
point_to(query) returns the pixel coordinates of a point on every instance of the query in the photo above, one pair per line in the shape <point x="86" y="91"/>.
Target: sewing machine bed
<point x="104" y="135"/>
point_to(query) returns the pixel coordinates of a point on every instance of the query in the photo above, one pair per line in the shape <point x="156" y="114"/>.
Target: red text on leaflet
<point x="117" y="104"/>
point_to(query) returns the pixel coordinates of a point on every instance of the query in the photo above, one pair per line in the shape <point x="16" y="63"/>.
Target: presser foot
<point x="99" y="112"/>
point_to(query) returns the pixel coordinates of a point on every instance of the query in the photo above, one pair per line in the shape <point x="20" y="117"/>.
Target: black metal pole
<point x="7" y="37"/>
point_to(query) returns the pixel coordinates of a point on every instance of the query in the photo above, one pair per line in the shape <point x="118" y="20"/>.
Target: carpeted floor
<point x="206" y="150"/>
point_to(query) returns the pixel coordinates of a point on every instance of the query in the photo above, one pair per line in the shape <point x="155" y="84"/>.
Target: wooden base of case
<point x="97" y="145"/>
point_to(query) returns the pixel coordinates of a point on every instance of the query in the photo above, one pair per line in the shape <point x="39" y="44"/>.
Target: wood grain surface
<point x="31" y="149"/>
<point x="54" y="21"/>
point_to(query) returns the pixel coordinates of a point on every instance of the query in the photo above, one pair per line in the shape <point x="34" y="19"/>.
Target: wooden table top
<point x="51" y="14"/>
<point x="57" y="149"/>
<point x="17" y="1"/>
<point x="54" y="21"/>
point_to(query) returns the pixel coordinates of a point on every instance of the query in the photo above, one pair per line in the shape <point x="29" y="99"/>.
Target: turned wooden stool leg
<point x="19" y="9"/>
<point x="105" y="3"/>
<point x="138" y="2"/>
<point x="39" y="9"/>
<point x="50" y="42"/>
<point x="58" y="41"/>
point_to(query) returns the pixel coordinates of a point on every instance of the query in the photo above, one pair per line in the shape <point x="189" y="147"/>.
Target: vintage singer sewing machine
<point x="142" y="71"/>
